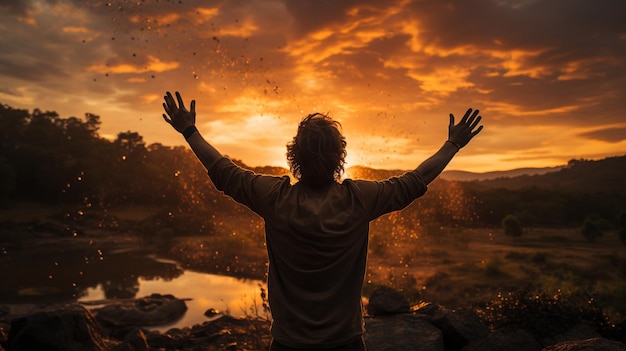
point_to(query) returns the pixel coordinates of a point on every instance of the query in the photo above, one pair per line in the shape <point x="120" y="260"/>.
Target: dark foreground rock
<point x="427" y="328"/>
<point x="593" y="344"/>
<point x="402" y="332"/>
<point x="73" y="328"/>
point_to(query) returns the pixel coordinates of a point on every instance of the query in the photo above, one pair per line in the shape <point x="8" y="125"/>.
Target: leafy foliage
<point x="543" y="315"/>
<point x="512" y="226"/>
<point x="591" y="229"/>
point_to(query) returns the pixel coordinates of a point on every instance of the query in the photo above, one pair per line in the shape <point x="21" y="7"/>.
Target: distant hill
<point x="464" y="176"/>
<point x="579" y="176"/>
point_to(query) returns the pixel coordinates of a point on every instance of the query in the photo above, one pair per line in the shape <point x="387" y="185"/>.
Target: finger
<point x="473" y="117"/>
<point x="467" y="113"/>
<point x="181" y="105"/>
<point x="169" y="100"/>
<point x="193" y="107"/>
<point x="167" y="109"/>
<point x="451" y="120"/>
<point x="475" y="123"/>
<point x="167" y="119"/>
<point x="477" y="131"/>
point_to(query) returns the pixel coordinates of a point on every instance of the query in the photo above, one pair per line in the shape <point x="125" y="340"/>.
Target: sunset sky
<point x="549" y="77"/>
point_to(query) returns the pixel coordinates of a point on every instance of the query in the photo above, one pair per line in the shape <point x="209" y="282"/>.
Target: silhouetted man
<point x="316" y="230"/>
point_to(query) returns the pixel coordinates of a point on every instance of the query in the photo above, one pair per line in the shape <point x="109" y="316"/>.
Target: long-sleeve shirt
<point x="316" y="239"/>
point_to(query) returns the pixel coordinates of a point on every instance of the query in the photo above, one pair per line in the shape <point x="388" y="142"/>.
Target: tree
<point x="591" y="229"/>
<point x="512" y="226"/>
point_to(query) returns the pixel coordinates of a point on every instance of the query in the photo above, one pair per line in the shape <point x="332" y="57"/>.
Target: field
<point x="460" y="267"/>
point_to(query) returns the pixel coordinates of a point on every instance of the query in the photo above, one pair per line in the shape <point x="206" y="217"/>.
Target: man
<point x="316" y="229"/>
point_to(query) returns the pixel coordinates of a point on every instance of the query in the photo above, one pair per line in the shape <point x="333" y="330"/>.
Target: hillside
<point x="464" y="176"/>
<point x="579" y="176"/>
<point x="605" y="175"/>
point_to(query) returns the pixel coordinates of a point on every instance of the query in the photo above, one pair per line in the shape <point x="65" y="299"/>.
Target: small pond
<point x="93" y="275"/>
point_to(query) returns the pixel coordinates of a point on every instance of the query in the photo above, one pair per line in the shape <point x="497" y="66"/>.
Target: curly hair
<point x="317" y="153"/>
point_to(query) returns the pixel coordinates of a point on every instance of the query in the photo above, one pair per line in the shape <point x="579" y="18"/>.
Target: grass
<point x="488" y="262"/>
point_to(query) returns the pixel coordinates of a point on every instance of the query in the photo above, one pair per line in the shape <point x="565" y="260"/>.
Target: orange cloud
<point x="517" y="110"/>
<point x="515" y="62"/>
<point x="158" y="20"/>
<point x="75" y="29"/>
<point x="205" y="14"/>
<point x="154" y="65"/>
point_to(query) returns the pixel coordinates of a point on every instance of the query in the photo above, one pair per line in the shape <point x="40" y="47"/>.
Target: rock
<point x="506" y="340"/>
<point x="148" y="311"/>
<point x="402" y="332"/>
<point x="225" y="333"/>
<point x="212" y="312"/>
<point x="580" y="331"/>
<point x="133" y="341"/>
<point x="385" y="300"/>
<point x="459" y="328"/>
<point x="593" y="344"/>
<point x="70" y="328"/>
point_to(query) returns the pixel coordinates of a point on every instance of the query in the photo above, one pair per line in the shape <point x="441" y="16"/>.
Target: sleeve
<point x="255" y="191"/>
<point x="392" y="194"/>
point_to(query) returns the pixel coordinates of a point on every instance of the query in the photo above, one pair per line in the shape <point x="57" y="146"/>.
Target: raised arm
<point x="458" y="136"/>
<point x="185" y="122"/>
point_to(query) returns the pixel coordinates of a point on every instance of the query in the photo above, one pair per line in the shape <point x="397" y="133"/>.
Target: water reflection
<point x="64" y="277"/>
<point x="204" y="291"/>
<point x="93" y="275"/>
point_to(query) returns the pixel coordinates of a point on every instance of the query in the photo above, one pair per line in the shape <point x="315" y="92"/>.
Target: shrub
<point x="492" y="268"/>
<point x="512" y="226"/>
<point x="543" y="315"/>
<point x="591" y="229"/>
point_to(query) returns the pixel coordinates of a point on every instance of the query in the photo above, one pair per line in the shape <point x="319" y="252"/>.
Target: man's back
<point x="317" y="247"/>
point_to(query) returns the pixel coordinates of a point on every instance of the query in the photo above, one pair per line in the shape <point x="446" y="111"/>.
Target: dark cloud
<point x="609" y="135"/>
<point x="35" y="72"/>
<point x="21" y="7"/>
<point x="17" y="7"/>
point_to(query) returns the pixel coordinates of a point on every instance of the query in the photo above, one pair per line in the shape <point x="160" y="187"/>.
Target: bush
<point x="544" y="315"/>
<point x="512" y="226"/>
<point x="591" y="229"/>
<point x="492" y="268"/>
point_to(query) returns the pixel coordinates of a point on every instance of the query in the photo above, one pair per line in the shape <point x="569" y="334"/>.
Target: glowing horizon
<point x="390" y="72"/>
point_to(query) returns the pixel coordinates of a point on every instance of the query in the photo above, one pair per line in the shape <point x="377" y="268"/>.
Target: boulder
<point x="402" y="332"/>
<point x="133" y="341"/>
<point x="148" y="311"/>
<point x="506" y="340"/>
<point x="459" y="328"/>
<point x="385" y="300"/>
<point x="593" y="344"/>
<point x="580" y="331"/>
<point x="225" y="333"/>
<point x="72" y="328"/>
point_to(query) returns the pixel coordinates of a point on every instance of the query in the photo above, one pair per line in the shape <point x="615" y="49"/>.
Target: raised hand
<point x="177" y="115"/>
<point x="462" y="133"/>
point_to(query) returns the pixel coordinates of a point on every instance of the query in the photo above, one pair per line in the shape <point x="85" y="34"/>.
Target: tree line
<point x="49" y="159"/>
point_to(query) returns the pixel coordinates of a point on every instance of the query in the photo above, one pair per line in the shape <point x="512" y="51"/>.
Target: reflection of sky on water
<point x="205" y="291"/>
